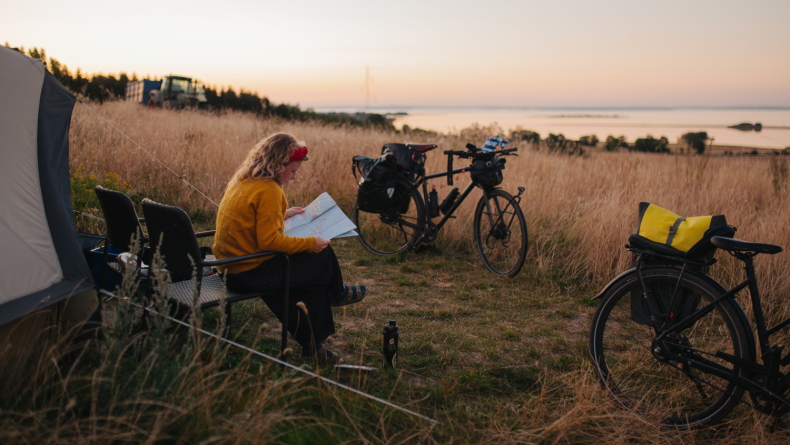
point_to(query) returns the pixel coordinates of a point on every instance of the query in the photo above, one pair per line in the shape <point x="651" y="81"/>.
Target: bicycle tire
<point x="392" y="231"/>
<point x="630" y="366"/>
<point x="500" y="233"/>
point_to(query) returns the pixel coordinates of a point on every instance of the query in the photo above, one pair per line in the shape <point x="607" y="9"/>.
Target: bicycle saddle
<point x="736" y="245"/>
<point x="421" y="148"/>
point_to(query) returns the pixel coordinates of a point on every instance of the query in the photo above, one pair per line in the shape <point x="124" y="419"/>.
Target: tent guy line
<point x="230" y="342"/>
<point x="89" y="215"/>
<point x="148" y="153"/>
<point x="274" y="359"/>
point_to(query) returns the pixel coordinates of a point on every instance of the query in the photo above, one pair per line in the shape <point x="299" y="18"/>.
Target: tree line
<point x="696" y="142"/>
<point x="101" y="88"/>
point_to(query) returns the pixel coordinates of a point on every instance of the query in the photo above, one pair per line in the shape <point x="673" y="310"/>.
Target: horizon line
<point x="592" y="107"/>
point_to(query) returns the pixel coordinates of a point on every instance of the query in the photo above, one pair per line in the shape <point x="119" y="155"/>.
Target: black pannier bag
<point x="488" y="171"/>
<point x="665" y="233"/>
<point x="403" y="157"/>
<point x="379" y="177"/>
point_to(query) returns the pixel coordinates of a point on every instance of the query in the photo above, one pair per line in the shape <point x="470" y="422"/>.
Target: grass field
<point x="493" y="360"/>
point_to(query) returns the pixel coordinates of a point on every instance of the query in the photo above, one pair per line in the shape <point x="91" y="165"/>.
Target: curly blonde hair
<point x="267" y="158"/>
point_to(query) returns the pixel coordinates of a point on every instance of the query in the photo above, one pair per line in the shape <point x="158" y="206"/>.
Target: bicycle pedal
<point x="422" y="247"/>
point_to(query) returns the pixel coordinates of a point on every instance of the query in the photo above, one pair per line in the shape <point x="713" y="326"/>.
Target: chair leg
<point x="227" y="320"/>
<point x="105" y="257"/>
<point x="284" y="343"/>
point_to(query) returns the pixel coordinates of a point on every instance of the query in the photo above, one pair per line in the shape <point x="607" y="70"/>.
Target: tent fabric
<point x="42" y="262"/>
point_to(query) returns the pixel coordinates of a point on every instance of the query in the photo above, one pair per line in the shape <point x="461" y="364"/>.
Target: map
<point x="321" y="218"/>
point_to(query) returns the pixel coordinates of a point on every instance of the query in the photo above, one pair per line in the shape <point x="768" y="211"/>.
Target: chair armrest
<point x="237" y="259"/>
<point x="205" y="234"/>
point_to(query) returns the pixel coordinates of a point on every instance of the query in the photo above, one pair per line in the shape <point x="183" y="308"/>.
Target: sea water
<point x="632" y="123"/>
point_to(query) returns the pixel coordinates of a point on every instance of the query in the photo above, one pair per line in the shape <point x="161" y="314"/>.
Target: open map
<point x="321" y="218"/>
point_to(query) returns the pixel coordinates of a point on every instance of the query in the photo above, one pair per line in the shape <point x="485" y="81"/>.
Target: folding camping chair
<point x="123" y="226"/>
<point x="172" y="234"/>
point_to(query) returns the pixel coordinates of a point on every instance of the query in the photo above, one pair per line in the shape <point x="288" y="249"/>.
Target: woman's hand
<point x="293" y="211"/>
<point x="320" y="244"/>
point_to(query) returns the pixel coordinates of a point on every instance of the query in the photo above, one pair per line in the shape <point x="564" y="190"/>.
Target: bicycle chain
<point x="768" y="403"/>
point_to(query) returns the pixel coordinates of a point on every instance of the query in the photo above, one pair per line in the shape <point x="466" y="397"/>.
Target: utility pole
<point x="367" y="88"/>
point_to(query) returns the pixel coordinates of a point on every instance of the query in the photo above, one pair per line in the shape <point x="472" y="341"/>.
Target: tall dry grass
<point x="579" y="210"/>
<point x="160" y="387"/>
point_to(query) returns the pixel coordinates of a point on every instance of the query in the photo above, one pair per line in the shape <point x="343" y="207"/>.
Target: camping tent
<point x="42" y="260"/>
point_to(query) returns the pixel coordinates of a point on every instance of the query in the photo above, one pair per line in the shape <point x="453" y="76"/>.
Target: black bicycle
<point x="673" y="344"/>
<point x="500" y="230"/>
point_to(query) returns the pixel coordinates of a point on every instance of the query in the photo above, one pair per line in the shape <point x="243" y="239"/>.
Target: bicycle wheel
<point x="636" y="369"/>
<point x="500" y="233"/>
<point x="394" y="230"/>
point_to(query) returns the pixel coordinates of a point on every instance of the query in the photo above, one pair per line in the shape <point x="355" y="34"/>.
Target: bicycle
<point x="671" y="343"/>
<point x="500" y="230"/>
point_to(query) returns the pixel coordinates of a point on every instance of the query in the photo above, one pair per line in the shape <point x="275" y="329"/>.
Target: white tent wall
<point x="25" y="230"/>
<point x="42" y="261"/>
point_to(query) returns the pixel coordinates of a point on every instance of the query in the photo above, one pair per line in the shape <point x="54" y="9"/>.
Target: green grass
<point x="493" y="359"/>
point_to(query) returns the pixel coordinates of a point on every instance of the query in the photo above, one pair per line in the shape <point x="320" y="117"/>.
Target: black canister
<point x="433" y="203"/>
<point x="390" y="345"/>
<point x="448" y="202"/>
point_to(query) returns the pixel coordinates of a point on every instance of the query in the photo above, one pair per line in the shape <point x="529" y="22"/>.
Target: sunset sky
<point x="602" y="53"/>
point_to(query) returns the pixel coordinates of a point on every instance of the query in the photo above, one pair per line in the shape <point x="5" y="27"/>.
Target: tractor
<point x="172" y="92"/>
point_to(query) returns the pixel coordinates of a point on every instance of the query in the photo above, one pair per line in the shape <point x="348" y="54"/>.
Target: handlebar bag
<point x="487" y="172"/>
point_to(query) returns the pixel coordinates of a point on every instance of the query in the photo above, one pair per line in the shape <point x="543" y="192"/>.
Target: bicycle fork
<point x="499" y="229"/>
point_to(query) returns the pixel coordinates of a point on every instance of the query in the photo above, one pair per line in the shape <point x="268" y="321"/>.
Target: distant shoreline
<point x="393" y="109"/>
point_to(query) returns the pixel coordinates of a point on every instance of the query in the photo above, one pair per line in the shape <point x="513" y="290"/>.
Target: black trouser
<point x="316" y="281"/>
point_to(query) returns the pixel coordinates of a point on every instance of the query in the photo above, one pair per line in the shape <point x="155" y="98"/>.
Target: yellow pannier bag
<point x="674" y="239"/>
<point x="669" y="233"/>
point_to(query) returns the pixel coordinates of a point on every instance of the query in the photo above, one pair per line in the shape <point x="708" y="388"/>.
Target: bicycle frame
<point x="422" y="181"/>
<point x="770" y="355"/>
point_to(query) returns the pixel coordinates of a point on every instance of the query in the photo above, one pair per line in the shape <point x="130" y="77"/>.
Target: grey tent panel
<point x="54" y="117"/>
<point x="54" y="120"/>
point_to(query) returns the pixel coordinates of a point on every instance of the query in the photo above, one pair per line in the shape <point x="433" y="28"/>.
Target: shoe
<point x="350" y="295"/>
<point x="324" y="355"/>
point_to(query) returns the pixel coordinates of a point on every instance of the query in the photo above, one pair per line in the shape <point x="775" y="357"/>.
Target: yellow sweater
<point x="250" y="219"/>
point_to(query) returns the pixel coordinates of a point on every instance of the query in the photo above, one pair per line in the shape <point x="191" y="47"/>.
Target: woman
<point x="250" y="219"/>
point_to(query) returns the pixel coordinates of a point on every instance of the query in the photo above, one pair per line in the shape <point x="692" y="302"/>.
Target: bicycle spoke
<point x="667" y="379"/>
<point x="394" y="230"/>
<point x="500" y="233"/>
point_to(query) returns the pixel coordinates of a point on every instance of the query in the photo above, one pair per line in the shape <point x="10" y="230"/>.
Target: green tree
<point x="36" y="53"/>
<point x="696" y="141"/>
<point x="249" y="102"/>
<point x="613" y="144"/>
<point x="589" y="141"/>
<point x="524" y="135"/>
<point x="651" y="145"/>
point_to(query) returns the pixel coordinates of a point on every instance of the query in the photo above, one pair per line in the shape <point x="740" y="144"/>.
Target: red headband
<point x="298" y="154"/>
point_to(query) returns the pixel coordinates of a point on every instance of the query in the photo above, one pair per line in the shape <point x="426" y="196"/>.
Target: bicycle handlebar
<point x="473" y="152"/>
<point x="449" y="169"/>
<point x="477" y="153"/>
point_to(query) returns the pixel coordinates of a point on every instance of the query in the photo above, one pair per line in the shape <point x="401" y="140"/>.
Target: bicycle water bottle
<point x="449" y="200"/>
<point x="433" y="203"/>
<point x="390" y="345"/>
